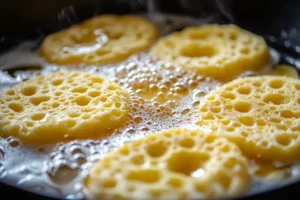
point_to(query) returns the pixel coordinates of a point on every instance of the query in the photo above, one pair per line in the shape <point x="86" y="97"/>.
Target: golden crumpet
<point x="103" y="39"/>
<point x="62" y="106"/>
<point x="219" y="51"/>
<point x="170" y="164"/>
<point x="260" y="114"/>
<point x="285" y="70"/>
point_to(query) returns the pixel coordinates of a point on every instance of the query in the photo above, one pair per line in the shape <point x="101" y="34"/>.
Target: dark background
<point x="265" y="16"/>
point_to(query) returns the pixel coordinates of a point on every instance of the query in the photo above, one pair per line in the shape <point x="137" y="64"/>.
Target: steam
<point x="67" y="15"/>
<point x="207" y="11"/>
<point x="223" y="7"/>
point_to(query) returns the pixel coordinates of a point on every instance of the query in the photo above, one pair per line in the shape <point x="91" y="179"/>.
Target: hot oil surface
<point x="162" y="96"/>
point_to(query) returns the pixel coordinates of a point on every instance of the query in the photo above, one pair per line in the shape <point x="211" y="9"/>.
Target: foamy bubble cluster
<point x="164" y="86"/>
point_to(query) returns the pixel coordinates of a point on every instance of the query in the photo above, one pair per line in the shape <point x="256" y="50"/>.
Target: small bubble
<point x="141" y="107"/>
<point x="80" y="158"/>
<point x="131" y="131"/>
<point x="138" y="120"/>
<point x="153" y="88"/>
<point x="185" y="111"/>
<point x="75" y="149"/>
<point x="161" y="96"/>
<point x="41" y="149"/>
<point x="13" y="142"/>
<point x="196" y="103"/>
<point x="200" y="94"/>
<point x="57" y="156"/>
<point x="105" y="142"/>
<point x="144" y="128"/>
<point x="171" y="103"/>
<point x="3" y="171"/>
<point x="163" y="89"/>
<point x="170" y="94"/>
<point x="201" y="78"/>
<point x="2" y="155"/>
<point x="134" y="109"/>
<point x="156" y="104"/>
<point x="52" y="155"/>
<point x="60" y="161"/>
<point x="92" y="144"/>
<point x="192" y="84"/>
<point x="62" y="175"/>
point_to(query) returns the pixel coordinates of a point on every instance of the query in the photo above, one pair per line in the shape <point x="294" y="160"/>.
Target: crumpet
<point x="62" y="105"/>
<point x="170" y="164"/>
<point x="260" y="114"/>
<point x="219" y="51"/>
<point x="285" y="70"/>
<point x="100" y="40"/>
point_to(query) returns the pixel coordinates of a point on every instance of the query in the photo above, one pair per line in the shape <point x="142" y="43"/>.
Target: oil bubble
<point x="63" y="174"/>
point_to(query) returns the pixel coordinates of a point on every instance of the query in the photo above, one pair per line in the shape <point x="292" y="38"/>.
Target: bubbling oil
<point x="162" y="96"/>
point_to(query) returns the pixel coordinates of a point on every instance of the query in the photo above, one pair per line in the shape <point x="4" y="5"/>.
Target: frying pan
<point x="277" y="21"/>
